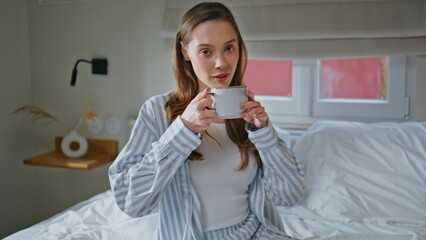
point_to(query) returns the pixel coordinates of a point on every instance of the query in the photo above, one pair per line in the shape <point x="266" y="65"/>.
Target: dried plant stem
<point x="89" y="115"/>
<point x="39" y="113"/>
<point x="80" y="121"/>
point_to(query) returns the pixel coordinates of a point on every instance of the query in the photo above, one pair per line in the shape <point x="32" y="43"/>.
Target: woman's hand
<point x="254" y="113"/>
<point x="197" y="117"/>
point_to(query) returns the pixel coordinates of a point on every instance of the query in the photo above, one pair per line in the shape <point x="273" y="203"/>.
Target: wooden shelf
<point x="99" y="152"/>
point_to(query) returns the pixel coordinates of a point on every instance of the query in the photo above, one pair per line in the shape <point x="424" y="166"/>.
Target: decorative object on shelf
<point x="95" y="127"/>
<point x="89" y="116"/>
<point x="39" y="113"/>
<point x="99" y="66"/>
<point x="73" y="145"/>
<point x="112" y="125"/>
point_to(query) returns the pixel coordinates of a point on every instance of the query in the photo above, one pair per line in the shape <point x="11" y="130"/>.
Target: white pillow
<point x="284" y="135"/>
<point x="358" y="170"/>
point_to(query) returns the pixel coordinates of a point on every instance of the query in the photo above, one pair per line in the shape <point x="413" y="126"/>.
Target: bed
<point x="363" y="182"/>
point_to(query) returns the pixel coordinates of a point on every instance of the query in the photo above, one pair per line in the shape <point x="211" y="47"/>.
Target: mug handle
<point x="214" y="102"/>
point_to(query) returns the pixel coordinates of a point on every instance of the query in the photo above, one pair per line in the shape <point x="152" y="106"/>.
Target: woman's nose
<point x="220" y="62"/>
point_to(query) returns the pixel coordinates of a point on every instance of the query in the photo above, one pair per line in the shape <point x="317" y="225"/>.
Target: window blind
<point x="320" y="28"/>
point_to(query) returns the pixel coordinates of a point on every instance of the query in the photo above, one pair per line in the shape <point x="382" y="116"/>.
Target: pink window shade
<point x="362" y="78"/>
<point x="269" y="77"/>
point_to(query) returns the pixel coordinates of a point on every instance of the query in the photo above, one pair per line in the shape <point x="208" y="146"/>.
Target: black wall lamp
<point x="99" y="66"/>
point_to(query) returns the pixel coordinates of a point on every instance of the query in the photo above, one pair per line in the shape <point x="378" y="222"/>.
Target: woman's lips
<point x="221" y="77"/>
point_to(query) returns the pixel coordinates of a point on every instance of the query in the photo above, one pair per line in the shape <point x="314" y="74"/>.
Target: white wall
<point x="18" y="199"/>
<point x="124" y="31"/>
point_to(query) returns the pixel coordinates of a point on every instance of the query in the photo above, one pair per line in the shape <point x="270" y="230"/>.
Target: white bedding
<point x="95" y="218"/>
<point x="363" y="182"/>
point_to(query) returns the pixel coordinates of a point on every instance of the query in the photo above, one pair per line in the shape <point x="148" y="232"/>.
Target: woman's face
<point x="213" y="53"/>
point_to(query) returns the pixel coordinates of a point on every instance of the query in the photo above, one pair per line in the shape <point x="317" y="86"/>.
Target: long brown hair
<point x="187" y="83"/>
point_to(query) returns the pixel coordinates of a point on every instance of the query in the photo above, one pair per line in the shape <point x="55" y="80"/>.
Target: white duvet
<point x="95" y="218"/>
<point x="363" y="182"/>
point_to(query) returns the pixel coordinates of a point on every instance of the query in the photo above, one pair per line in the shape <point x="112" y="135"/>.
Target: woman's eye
<point x="229" y="49"/>
<point x="204" y="52"/>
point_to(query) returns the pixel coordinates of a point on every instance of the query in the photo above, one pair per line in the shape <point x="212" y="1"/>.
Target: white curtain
<point x="320" y="28"/>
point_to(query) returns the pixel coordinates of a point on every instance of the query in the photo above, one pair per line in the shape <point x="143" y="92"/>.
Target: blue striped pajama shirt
<point x="151" y="174"/>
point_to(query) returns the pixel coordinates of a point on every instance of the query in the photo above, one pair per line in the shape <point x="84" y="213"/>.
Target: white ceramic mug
<point x="227" y="101"/>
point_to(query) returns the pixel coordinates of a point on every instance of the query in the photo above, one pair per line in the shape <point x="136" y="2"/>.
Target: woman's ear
<point x="184" y="52"/>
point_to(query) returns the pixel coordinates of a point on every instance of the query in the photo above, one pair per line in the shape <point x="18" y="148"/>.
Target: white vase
<point x="73" y="136"/>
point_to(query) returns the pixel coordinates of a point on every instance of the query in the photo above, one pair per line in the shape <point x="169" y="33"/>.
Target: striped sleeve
<point x="282" y="174"/>
<point x="149" y="161"/>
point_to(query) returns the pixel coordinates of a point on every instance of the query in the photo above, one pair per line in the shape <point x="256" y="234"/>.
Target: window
<point x="364" y="88"/>
<point x="356" y="78"/>
<point x="261" y="74"/>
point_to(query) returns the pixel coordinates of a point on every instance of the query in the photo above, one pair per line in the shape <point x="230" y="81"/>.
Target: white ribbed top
<point x="221" y="189"/>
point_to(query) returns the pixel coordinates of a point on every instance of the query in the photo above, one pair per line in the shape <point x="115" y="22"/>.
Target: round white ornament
<point x="72" y="137"/>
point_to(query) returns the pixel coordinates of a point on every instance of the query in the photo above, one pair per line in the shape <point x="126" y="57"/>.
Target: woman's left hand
<point x="254" y="113"/>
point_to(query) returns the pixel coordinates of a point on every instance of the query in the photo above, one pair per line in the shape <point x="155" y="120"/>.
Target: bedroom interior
<point x="42" y="40"/>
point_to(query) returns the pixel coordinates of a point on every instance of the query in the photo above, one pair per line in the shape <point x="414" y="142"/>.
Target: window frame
<point x="296" y="104"/>
<point x="305" y="106"/>
<point x="390" y="108"/>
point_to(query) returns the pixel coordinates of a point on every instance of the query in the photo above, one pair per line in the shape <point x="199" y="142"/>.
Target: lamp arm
<point x="99" y="66"/>
<point x="81" y="60"/>
<point x="74" y="71"/>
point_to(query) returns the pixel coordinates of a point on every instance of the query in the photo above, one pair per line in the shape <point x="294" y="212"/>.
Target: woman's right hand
<point x="197" y="117"/>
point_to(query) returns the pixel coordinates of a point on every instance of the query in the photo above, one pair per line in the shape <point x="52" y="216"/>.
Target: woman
<point x="209" y="178"/>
